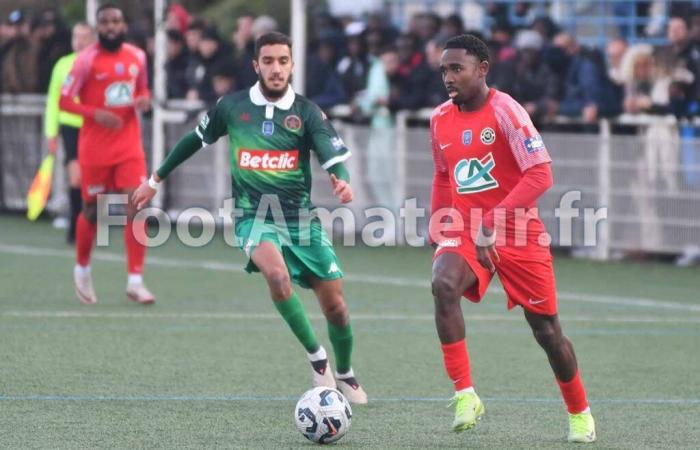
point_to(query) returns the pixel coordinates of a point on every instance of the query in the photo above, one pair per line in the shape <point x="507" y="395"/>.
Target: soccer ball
<point x="323" y="415"/>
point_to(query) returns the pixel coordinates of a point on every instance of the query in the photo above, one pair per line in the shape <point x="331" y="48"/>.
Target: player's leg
<point x="330" y="296"/>
<point x="269" y="260"/>
<point x="92" y="182"/>
<point x="562" y="359"/>
<point x="69" y="135"/>
<point x="128" y="175"/>
<point x="451" y="277"/>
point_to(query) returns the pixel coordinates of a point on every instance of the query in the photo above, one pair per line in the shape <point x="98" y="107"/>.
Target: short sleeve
<point x="325" y="141"/>
<point x="79" y="73"/>
<point x="213" y="124"/>
<point x="438" y="158"/>
<point x="523" y="138"/>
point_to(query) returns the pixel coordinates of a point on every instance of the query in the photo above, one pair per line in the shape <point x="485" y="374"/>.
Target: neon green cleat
<point x="468" y="409"/>
<point x="581" y="428"/>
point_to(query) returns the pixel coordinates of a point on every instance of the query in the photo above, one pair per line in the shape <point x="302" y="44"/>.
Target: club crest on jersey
<point x="119" y="93"/>
<point x="119" y="68"/>
<point x="488" y="136"/>
<point x="467" y="137"/>
<point x="292" y="123"/>
<point x="474" y="175"/>
<point x="268" y="127"/>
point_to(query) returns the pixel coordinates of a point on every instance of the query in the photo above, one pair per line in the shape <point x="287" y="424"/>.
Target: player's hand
<point x="142" y="195"/>
<point x="341" y="189"/>
<point x="487" y="254"/>
<point x="108" y="119"/>
<point x="142" y="104"/>
<point x="52" y="145"/>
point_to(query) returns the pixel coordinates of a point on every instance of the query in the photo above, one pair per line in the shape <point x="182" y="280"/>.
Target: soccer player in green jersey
<point x="272" y="132"/>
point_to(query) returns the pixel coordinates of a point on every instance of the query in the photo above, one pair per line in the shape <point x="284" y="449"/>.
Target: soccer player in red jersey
<point x="111" y="81"/>
<point x="491" y="166"/>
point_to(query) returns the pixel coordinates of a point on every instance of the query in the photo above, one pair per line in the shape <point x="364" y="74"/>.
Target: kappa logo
<point x="474" y="175"/>
<point x="488" y="136"/>
<point x="333" y="268"/>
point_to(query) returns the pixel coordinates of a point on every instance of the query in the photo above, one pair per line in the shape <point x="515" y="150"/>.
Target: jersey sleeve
<point x="74" y="83"/>
<point x="524" y="140"/>
<point x="213" y="124"/>
<point x="441" y="196"/>
<point x="142" y="78"/>
<point x="325" y="141"/>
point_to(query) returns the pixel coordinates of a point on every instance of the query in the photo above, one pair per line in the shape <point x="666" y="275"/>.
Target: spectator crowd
<point x="373" y="66"/>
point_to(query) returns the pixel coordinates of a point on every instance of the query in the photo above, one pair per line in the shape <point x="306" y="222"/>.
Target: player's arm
<point x="73" y="84"/>
<point x="441" y="196"/>
<point x="533" y="161"/>
<point x="331" y="152"/>
<point x="142" y="95"/>
<point x="51" y="111"/>
<point x="210" y="128"/>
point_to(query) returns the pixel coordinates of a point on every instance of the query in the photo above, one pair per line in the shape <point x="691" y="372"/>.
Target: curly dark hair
<point x="472" y="44"/>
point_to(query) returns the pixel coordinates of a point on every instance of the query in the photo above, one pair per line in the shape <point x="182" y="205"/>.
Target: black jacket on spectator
<point x="246" y="76"/>
<point x="408" y="87"/>
<point x="534" y="83"/>
<point x="199" y="71"/>
<point x="435" y="93"/>
<point x="176" y="69"/>
<point x="353" y="73"/>
<point x="50" y="50"/>
<point x="323" y="85"/>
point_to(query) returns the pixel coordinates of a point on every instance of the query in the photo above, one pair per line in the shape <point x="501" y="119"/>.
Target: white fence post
<point x="603" y="246"/>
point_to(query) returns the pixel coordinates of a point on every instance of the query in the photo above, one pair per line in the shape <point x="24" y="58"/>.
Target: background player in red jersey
<point x="111" y="81"/>
<point x="490" y="167"/>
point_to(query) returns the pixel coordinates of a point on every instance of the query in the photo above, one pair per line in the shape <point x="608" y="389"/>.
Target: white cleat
<point x="83" y="286"/>
<point x="322" y="375"/>
<point x="352" y="390"/>
<point x="137" y="292"/>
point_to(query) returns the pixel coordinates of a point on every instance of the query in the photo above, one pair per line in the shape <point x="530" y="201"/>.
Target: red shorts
<point x="94" y="180"/>
<point x="526" y="273"/>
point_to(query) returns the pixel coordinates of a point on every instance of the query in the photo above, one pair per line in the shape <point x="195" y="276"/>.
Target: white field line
<point x="381" y="280"/>
<point x="66" y="314"/>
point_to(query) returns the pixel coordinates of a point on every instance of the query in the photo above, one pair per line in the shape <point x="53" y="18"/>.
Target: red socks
<point x="574" y="394"/>
<point x="135" y="251"/>
<point x="456" y="361"/>
<point x="84" y="238"/>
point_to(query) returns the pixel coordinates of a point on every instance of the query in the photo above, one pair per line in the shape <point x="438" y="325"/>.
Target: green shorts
<point x="306" y="250"/>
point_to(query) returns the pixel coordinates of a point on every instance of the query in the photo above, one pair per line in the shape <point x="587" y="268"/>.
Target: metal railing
<point x="644" y="169"/>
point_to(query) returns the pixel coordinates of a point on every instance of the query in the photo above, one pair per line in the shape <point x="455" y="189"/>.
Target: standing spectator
<point x="263" y="25"/>
<point x="614" y="52"/>
<point x="413" y="75"/>
<point x="54" y="42"/>
<point x="178" y="18"/>
<point x="211" y="51"/>
<point x="323" y="84"/>
<point x="223" y="78"/>
<point x="681" y="59"/>
<point x="244" y="48"/>
<point x="68" y="124"/>
<point x="435" y="89"/>
<point x="582" y="86"/>
<point x="452" y="26"/>
<point x="194" y="35"/>
<point x="527" y="79"/>
<point x="354" y="67"/>
<point x="176" y="65"/>
<point x="646" y="87"/>
<point x="18" y="71"/>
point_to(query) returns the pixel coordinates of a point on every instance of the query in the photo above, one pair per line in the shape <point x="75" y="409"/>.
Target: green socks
<point x="341" y="339"/>
<point x="292" y="310"/>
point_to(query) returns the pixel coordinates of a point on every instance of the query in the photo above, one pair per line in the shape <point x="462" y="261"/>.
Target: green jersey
<point x="271" y="145"/>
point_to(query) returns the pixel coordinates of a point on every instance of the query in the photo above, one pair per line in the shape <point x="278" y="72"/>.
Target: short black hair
<point x="472" y="44"/>
<point x="107" y="5"/>
<point x="272" y="38"/>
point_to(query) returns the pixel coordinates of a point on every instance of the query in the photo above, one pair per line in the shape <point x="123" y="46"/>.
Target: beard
<point x="270" y="92"/>
<point x="112" y="44"/>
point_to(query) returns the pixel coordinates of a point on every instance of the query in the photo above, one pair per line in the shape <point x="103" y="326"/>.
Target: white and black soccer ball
<point x="323" y="415"/>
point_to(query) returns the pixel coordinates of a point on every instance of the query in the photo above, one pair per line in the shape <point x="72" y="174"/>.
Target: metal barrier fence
<point x="645" y="170"/>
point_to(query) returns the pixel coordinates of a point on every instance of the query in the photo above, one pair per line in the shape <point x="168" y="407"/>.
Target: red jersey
<point x="107" y="80"/>
<point x="480" y="156"/>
